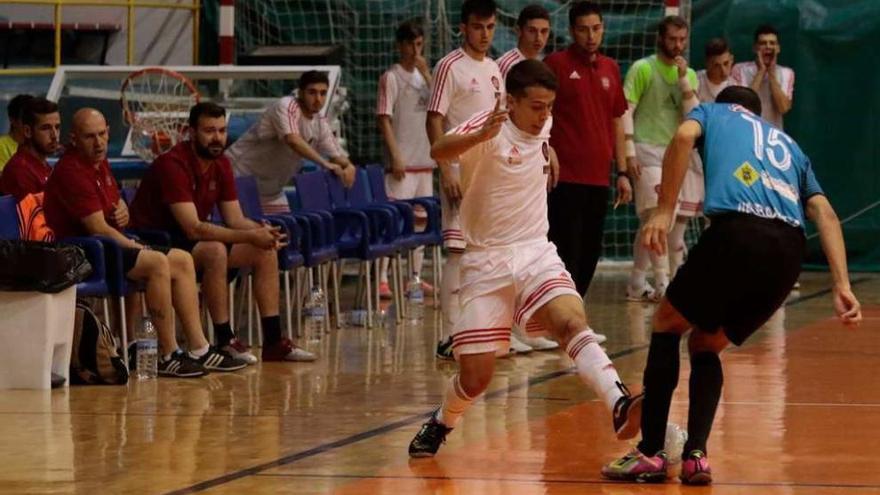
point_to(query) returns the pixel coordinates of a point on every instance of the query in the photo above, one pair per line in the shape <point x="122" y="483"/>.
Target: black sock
<point x="705" y="384"/>
<point x="223" y="333"/>
<point x="660" y="380"/>
<point x="271" y="329"/>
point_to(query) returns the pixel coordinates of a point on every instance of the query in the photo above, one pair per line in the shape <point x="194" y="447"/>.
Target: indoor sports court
<point x="797" y="413"/>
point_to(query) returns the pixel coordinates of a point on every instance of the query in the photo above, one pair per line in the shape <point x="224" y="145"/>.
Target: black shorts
<point x="739" y="273"/>
<point x="183" y="243"/>
<point x="130" y="256"/>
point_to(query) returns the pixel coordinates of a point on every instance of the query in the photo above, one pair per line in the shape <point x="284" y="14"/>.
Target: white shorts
<point x="453" y="237"/>
<point x="416" y="184"/>
<point x="647" y="188"/>
<point x="275" y="205"/>
<point x="505" y="286"/>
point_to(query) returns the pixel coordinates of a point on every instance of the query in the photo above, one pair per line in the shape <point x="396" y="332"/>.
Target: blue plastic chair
<point x="290" y="258"/>
<point x="432" y="236"/>
<point x="356" y="236"/>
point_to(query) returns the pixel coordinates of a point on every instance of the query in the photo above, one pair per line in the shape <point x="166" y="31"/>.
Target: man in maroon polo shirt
<point x="82" y="199"/>
<point x="178" y="194"/>
<point x="587" y="134"/>
<point x="27" y="171"/>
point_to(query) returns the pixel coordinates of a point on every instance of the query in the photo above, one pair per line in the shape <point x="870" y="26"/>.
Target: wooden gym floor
<point x="799" y="414"/>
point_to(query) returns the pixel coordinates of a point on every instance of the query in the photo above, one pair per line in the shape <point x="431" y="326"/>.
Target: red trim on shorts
<point x="489" y="340"/>
<point x="538" y="293"/>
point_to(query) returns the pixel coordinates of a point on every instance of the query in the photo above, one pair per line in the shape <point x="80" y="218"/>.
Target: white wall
<point x="162" y="36"/>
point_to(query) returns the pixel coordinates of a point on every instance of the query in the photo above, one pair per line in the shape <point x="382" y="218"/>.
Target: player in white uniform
<point x="288" y="131"/>
<point x="716" y="76"/>
<point x="466" y="81"/>
<point x="532" y="32"/>
<point x="510" y="271"/>
<point x="401" y="107"/>
<point x="774" y="83"/>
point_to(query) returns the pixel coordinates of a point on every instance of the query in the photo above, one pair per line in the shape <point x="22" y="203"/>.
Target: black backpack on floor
<point x="94" y="359"/>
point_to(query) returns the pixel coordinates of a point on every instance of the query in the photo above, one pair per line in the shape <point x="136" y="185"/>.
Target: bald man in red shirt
<point x="82" y="199"/>
<point x="587" y="135"/>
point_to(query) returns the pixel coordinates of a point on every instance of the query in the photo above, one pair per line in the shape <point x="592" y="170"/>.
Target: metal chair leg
<point x="369" y="294"/>
<point x="124" y="329"/>
<point x="287" y="306"/>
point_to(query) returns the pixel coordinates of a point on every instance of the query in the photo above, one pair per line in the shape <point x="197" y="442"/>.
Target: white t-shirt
<point x="744" y="73"/>
<point x="403" y="96"/>
<point x="504" y="182"/>
<point x="708" y="90"/>
<point x="463" y="86"/>
<point x="508" y="60"/>
<point x="263" y="152"/>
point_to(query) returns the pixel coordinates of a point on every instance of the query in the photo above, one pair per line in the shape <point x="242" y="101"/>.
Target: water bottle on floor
<point x="147" y="350"/>
<point x="314" y="312"/>
<point x="415" y="298"/>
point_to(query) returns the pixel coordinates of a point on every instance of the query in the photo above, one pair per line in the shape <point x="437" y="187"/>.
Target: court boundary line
<point x="552" y="481"/>
<point x="415" y="418"/>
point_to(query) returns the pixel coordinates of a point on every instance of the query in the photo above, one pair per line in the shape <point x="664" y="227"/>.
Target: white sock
<point x="449" y="292"/>
<point x="383" y="270"/>
<point x="455" y="403"/>
<point x="660" y="265"/>
<point x="641" y="262"/>
<point x="594" y="367"/>
<point x="677" y="246"/>
<point x="200" y="352"/>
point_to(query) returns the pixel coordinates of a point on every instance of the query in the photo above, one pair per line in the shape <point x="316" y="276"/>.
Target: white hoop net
<point x="156" y="104"/>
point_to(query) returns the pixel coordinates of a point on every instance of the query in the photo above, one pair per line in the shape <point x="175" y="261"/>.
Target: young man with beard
<point x="660" y="89"/>
<point x="28" y="170"/>
<point x="82" y="199"/>
<point x="466" y="81"/>
<point x="774" y="83"/>
<point x="289" y="131"/>
<point x="178" y="193"/>
<point x="760" y="190"/>
<point x="510" y="270"/>
<point x="401" y="108"/>
<point x="532" y="33"/>
<point x="716" y="76"/>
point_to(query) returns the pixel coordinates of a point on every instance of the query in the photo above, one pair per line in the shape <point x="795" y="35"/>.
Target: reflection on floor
<point x="799" y="415"/>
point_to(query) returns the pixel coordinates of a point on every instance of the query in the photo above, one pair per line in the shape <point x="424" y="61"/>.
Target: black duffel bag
<point x="41" y="266"/>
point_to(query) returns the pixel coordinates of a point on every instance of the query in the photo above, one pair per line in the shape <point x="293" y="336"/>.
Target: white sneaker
<point x="518" y="346"/>
<point x="239" y="351"/>
<point x="659" y="292"/>
<point x="538" y="343"/>
<point x="644" y="294"/>
<point x="300" y="355"/>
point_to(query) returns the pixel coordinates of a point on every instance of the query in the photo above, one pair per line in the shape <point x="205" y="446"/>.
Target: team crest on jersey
<point x="545" y="149"/>
<point x="574" y="75"/>
<point x="746" y="174"/>
<point x="515" y="158"/>
<point x="496" y="83"/>
<point x="606" y="83"/>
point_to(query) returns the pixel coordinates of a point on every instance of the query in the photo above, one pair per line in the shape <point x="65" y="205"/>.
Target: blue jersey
<point x="752" y="167"/>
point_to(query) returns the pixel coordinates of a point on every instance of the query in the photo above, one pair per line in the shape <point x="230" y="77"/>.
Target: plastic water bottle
<point x="415" y="298"/>
<point x="674" y="443"/>
<point x="314" y="312"/>
<point x="147" y="351"/>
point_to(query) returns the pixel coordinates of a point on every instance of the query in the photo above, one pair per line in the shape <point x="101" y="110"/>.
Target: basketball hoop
<point x="156" y="104"/>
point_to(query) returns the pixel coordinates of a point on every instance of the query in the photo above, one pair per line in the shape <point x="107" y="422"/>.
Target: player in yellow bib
<point x="660" y="90"/>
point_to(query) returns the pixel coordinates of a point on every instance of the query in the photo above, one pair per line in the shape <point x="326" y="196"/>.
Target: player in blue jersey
<point x="759" y="189"/>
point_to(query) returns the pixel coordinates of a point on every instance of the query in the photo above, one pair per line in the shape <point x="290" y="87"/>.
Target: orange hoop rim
<point x="129" y="117"/>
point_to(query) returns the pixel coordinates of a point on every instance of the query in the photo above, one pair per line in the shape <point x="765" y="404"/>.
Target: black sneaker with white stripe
<point x="217" y="360"/>
<point x="180" y="365"/>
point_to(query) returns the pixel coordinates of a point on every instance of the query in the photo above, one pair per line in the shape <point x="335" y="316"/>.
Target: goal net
<point x="366" y="30"/>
